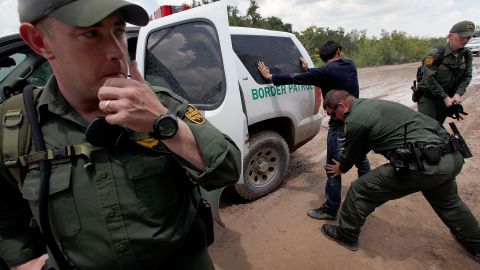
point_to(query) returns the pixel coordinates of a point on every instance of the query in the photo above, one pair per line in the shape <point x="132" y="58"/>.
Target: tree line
<point x="389" y="48"/>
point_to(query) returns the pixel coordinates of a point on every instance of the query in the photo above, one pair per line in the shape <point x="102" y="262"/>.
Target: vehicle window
<point x="9" y="64"/>
<point x="279" y="53"/>
<point x="40" y="75"/>
<point x="187" y="59"/>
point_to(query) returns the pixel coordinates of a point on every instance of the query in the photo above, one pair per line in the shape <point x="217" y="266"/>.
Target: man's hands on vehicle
<point x="264" y="70"/>
<point x="303" y="64"/>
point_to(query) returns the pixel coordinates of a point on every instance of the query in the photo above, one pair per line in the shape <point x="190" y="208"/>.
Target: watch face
<point x="167" y="127"/>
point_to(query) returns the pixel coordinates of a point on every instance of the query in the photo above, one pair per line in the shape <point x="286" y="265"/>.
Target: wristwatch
<point x="165" y="126"/>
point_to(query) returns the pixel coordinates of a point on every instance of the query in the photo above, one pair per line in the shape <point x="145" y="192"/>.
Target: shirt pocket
<point x="154" y="179"/>
<point x="61" y="204"/>
<point x="444" y="74"/>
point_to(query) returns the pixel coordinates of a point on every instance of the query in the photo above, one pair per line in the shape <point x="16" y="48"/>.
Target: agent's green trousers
<point x="432" y="107"/>
<point x="437" y="183"/>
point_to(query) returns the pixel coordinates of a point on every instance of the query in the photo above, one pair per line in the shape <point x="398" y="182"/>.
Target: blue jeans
<point x="333" y="187"/>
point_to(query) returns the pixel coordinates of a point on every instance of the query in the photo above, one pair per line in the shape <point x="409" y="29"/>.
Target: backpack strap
<point x="15" y="137"/>
<point x="58" y="155"/>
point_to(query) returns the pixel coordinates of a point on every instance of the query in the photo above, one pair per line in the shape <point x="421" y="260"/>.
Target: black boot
<point x="472" y="251"/>
<point x="320" y="213"/>
<point x="332" y="233"/>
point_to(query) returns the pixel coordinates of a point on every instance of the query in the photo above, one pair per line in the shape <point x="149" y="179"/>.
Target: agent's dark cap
<point x="464" y="28"/>
<point x="81" y="13"/>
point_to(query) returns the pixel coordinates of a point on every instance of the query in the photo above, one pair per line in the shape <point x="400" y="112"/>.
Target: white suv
<point x="474" y="46"/>
<point x="196" y="54"/>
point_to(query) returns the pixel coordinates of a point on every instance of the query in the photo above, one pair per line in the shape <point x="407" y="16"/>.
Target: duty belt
<point x="417" y="153"/>
<point x="446" y="148"/>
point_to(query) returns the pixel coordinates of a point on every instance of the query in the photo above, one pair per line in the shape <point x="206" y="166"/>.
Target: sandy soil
<point x="274" y="232"/>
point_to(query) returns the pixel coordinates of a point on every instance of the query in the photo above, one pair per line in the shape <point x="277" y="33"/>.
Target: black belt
<point x="446" y="148"/>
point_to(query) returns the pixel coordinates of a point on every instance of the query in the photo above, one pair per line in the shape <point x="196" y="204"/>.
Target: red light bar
<point x="166" y="10"/>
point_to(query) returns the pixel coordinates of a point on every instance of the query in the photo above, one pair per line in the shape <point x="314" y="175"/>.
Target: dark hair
<point x="333" y="97"/>
<point x="329" y="49"/>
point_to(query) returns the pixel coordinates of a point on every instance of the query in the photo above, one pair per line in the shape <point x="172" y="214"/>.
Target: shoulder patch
<point x="148" y="142"/>
<point x="429" y="60"/>
<point x="194" y="115"/>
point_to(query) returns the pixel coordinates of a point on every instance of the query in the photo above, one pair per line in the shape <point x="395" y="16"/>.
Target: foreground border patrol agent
<point x="446" y="77"/>
<point x="379" y="125"/>
<point x="338" y="73"/>
<point x="131" y="208"/>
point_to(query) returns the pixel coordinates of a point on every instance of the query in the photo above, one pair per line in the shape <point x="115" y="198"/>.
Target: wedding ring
<point x="107" y="106"/>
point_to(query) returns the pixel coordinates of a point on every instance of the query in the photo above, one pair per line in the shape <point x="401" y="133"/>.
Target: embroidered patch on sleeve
<point x="429" y="60"/>
<point x="149" y="142"/>
<point x="194" y="115"/>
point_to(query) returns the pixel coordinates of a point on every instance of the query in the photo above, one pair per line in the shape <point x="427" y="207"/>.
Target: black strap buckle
<point x="64" y="152"/>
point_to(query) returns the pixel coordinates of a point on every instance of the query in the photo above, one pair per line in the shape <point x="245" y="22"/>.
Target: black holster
<point x="201" y="233"/>
<point x="459" y="144"/>
<point x="205" y="213"/>
<point x="432" y="154"/>
<point x="416" y="92"/>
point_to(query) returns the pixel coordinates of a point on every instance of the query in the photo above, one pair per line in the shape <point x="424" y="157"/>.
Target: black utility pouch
<point x="205" y="213"/>
<point x="432" y="154"/>
<point x="400" y="159"/>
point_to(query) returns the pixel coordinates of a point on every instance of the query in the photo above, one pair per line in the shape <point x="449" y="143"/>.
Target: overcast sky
<point x="430" y="18"/>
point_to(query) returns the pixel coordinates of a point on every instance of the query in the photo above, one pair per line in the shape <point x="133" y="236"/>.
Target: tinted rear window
<point x="186" y="58"/>
<point x="279" y="53"/>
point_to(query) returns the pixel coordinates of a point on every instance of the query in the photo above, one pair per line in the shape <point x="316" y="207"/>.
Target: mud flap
<point x="213" y="197"/>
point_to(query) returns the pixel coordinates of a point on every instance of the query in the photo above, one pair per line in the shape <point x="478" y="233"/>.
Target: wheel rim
<point x="263" y="167"/>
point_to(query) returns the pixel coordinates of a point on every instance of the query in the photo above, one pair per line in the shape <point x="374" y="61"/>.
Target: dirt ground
<point x="274" y="232"/>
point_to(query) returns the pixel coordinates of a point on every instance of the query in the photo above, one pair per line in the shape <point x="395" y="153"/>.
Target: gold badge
<point x="470" y="26"/>
<point x="148" y="142"/>
<point x="194" y="115"/>
<point x="429" y="60"/>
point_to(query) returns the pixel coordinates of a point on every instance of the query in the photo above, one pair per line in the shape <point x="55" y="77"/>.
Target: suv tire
<point x="264" y="166"/>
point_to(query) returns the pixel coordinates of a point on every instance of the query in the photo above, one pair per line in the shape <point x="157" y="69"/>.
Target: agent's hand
<point x="303" y="63"/>
<point x="448" y="101"/>
<point x="130" y="102"/>
<point x="457" y="99"/>
<point x="35" y="264"/>
<point x="333" y="169"/>
<point x="133" y="104"/>
<point x="264" y="70"/>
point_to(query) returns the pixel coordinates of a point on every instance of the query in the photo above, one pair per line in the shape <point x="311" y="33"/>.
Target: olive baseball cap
<point x="81" y="13"/>
<point x="464" y="28"/>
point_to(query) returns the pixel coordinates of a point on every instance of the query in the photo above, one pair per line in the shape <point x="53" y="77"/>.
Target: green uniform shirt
<point x="379" y="125"/>
<point x="449" y="77"/>
<point x="131" y="209"/>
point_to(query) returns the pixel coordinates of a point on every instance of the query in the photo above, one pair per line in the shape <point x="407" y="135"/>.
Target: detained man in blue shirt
<point x="338" y="73"/>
